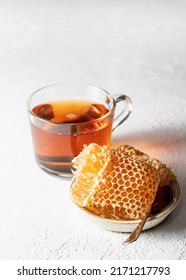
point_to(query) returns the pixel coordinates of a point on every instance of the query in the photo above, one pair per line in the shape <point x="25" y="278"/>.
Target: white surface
<point x="135" y="47"/>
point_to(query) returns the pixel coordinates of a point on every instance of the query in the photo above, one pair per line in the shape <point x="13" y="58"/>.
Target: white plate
<point x="129" y="225"/>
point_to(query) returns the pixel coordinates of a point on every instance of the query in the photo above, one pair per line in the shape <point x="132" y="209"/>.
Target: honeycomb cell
<point x="120" y="181"/>
<point x="139" y="181"/>
<point x="127" y="183"/>
<point x="119" y="175"/>
<point x="147" y="195"/>
<point x="138" y="203"/>
<point x="134" y="186"/>
<point x="136" y="191"/>
<point x="123" y="193"/>
<point x="126" y="177"/>
<point x="106" y="196"/>
<point x="130" y="173"/>
<point x="143" y="199"/>
<point x="111" y="191"/>
<point x="128" y="167"/>
<point x="114" y="180"/>
<point x="128" y="190"/>
<point x="117" y="169"/>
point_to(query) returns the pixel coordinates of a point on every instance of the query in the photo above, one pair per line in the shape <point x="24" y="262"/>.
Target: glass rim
<point x="110" y="112"/>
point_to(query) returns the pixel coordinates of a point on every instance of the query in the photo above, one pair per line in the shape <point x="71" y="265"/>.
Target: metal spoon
<point x="136" y="233"/>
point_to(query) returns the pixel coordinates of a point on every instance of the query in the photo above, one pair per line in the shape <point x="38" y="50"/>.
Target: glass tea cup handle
<point x="124" y="112"/>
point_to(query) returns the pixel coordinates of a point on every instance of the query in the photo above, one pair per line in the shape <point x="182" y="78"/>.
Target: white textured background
<point x="135" y="47"/>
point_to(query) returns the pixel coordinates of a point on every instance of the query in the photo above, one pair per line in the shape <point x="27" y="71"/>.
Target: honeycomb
<point x="86" y="167"/>
<point x="114" y="183"/>
<point x="166" y="175"/>
<point x="125" y="191"/>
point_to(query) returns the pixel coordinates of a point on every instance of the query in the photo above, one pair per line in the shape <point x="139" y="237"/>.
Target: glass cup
<point x="88" y="116"/>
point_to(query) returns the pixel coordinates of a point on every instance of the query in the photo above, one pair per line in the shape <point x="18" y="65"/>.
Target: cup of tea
<point x="66" y="116"/>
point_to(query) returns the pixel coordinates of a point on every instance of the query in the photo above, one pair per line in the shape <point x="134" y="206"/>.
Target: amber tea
<point x="66" y="116"/>
<point x="55" y="150"/>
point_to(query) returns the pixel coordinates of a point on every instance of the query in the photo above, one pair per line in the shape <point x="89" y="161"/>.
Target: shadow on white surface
<point x="165" y="139"/>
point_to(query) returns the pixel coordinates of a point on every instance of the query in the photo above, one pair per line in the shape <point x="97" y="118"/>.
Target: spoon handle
<point x="135" y="234"/>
